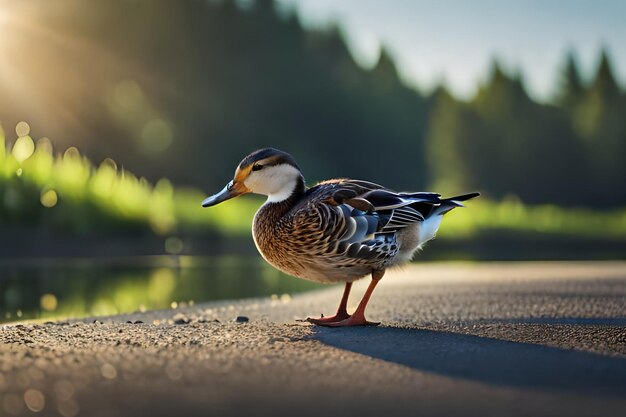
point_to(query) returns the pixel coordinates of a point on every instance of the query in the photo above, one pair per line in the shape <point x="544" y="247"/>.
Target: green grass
<point x="67" y="193"/>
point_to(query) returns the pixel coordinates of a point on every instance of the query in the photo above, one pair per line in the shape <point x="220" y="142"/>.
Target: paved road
<point x="526" y="339"/>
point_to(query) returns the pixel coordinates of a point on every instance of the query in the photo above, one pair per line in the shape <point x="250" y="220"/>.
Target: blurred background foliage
<point x="179" y="92"/>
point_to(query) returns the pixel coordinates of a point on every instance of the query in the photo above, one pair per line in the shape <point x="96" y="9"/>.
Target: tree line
<point x="570" y="151"/>
<point x="184" y="90"/>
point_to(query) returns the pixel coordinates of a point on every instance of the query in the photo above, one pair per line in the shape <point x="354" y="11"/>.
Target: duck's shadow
<point x="492" y="361"/>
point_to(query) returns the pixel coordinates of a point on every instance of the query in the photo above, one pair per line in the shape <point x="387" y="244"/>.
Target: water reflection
<point x="48" y="289"/>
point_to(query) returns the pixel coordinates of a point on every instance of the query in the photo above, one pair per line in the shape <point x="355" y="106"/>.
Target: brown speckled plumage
<point x="301" y="235"/>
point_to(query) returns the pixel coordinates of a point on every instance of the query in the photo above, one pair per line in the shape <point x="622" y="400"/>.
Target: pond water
<point x="46" y="289"/>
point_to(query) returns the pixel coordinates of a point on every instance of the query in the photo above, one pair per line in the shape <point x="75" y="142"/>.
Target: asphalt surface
<point x="518" y="339"/>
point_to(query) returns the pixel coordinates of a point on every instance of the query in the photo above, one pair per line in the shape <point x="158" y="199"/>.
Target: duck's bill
<point x="230" y="191"/>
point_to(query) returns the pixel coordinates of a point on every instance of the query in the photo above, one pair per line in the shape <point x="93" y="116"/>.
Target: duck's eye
<point x="257" y="167"/>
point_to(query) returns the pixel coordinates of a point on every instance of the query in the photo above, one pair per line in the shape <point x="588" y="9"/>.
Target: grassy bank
<point x="67" y="194"/>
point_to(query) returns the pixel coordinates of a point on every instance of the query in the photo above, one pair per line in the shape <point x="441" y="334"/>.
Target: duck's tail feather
<point x="463" y="197"/>
<point x="448" y="204"/>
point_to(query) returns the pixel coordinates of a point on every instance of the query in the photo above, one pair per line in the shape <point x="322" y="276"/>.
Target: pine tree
<point x="602" y="95"/>
<point x="385" y="70"/>
<point x="604" y="126"/>
<point x="604" y="82"/>
<point x="572" y="89"/>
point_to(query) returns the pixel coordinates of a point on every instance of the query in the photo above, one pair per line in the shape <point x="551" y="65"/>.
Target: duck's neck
<point x="278" y="204"/>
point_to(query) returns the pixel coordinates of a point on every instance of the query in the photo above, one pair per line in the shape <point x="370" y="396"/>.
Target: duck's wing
<point x="360" y="219"/>
<point x="404" y="209"/>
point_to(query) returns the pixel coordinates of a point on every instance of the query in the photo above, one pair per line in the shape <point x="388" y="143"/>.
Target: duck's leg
<point x="358" y="317"/>
<point x="342" y="311"/>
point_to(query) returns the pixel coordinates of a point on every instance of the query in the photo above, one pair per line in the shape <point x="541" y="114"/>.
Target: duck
<point x="337" y="231"/>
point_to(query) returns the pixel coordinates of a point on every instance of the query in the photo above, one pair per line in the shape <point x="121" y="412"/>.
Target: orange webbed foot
<point x="325" y="321"/>
<point x="354" y="320"/>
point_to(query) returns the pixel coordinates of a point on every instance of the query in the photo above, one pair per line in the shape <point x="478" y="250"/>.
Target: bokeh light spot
<point x="22" y="129"/>
<point x="71" y="153"/>
<point x="128" y="94"/>
<point x="23" y="148"/>
<point x="108" y="371"/>
<point x="44" y="145"/>
<point x="49" y="302"/>
<point x="109" y="163"/>
<point x="35" y="400"/>
<point x="64" y="389"/>
<point x="156" y="136"/>
<point x="173" y="245"/>
<point x="68" y="408"/>
<point x="49" y="198"/>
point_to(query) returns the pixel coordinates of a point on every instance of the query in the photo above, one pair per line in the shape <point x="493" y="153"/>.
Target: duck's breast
<point x="297" y="245"/>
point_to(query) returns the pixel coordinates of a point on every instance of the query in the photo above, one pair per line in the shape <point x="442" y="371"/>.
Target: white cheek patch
<point x="276" y="182"/>
<point x="253" y="184"/>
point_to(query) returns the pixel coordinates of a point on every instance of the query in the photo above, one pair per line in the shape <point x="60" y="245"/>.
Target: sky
<point x="455" y="41"/>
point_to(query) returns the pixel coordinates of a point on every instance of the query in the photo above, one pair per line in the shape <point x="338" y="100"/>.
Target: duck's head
<point x="268" y="172"/>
